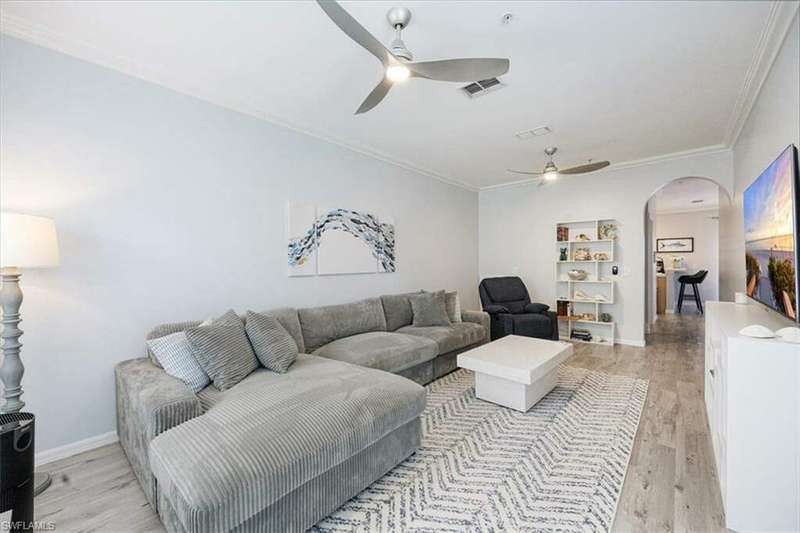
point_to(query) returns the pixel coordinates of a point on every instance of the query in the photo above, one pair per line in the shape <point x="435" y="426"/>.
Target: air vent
<point x="535" y="132"/>
<point x="479" y="88"/>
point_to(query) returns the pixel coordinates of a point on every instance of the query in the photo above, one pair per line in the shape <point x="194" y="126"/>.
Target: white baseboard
<point x="628" y="342"/>
<point x="74" y="448"/>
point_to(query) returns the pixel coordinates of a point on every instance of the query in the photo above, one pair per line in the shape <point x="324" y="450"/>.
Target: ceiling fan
<point x="551" y="172"/>
<point x="397" y="62"/>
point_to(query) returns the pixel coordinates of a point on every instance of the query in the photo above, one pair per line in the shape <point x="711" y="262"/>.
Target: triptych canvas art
<point x="333" y="240"/>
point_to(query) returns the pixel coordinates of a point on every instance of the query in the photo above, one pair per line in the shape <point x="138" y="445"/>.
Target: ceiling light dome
<point x="550" y="171"/>
<point x="397" y="73"/>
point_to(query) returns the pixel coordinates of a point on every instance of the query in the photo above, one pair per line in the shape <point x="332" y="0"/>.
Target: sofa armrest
<point x="495" y="309"/>
<point x="149" y="402"/>
<point x="554" y="324"/>
<point x="154" y="400"/>
<point x="536" y="308"/>
<point x="481" y="318"/>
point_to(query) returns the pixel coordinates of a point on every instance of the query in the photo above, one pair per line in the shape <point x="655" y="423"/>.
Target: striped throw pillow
<point x="274" y="347"/>
<point x="224" y="352"/>
<point x="175" y="356"/>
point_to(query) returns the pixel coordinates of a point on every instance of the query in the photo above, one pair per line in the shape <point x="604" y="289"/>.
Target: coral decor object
<point x="607" y="231"/>
<point x="577" y="275"/>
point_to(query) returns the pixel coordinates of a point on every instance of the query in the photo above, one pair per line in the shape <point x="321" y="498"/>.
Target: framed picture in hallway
<point x="682" y="245"/>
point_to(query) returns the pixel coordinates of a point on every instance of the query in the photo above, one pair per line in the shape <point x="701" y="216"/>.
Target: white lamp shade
<point x="27" y="241"/>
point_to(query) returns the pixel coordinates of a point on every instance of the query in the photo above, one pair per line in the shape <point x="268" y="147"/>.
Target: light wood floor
<point x="670" y="486"/>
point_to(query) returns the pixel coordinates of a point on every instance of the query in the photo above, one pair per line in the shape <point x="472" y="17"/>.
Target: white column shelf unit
<point x="585" y="298"/>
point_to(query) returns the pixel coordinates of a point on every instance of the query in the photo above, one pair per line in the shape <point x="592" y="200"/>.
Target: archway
<point x="681" y="238"/>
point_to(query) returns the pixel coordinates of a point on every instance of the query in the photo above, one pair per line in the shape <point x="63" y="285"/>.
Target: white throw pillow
<point x="174" y="354"/>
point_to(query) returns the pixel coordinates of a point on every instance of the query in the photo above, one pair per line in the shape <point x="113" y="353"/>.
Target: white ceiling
<point x="681" y="195"/>
<point x="614" y="80"/>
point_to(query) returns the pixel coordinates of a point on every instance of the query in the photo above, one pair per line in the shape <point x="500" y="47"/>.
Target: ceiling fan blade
<point x="356" y="31"/>
<point x="375" y="97"/>
<point x="583" y="169"/>
<point x="524" y="172"/>
<point x="475" y="69"/>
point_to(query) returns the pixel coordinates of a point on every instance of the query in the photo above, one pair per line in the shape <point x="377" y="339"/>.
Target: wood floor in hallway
<point x="671" y="483"/>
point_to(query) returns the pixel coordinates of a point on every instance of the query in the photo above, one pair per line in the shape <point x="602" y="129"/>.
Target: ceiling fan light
<point x="551" y="175"/>
<point x="397" y="73"/>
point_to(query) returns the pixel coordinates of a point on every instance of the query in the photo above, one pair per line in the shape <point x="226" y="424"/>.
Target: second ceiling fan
<point x="551" y="172"/>
<point x="397" y="62"/>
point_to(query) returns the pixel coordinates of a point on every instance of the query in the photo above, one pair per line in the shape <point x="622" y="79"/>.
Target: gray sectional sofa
<point x="278" y="452"/>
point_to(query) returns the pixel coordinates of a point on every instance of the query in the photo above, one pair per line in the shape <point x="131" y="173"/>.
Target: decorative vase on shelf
<point x="563" y="255"/>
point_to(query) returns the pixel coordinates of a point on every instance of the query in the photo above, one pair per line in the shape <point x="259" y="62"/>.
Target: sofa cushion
<point x="322" y="325"/>
<point x="174" y="353"/>
<point x="273" y="433"/>
<point x="429" y="309"/>
<point x="532" y="325"/>
<point x="449" y="338"/>
<point x="287" y="316"/>
<point x="506" y="289"/>
<point x="224" y="352"/>
<point x="383" y="350"/>
<point x="272" y="344"/>
<point x="397" y="308"/>
<point x="453" y="304"/>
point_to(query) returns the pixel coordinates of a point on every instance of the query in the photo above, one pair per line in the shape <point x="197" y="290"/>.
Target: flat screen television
<point x="771" y="233"/>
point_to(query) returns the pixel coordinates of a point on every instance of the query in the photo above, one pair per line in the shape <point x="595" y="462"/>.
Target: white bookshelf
<point x="588" y="296"/>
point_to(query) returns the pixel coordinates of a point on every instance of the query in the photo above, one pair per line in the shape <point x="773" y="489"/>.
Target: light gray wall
<point x="773" y="123"/>
<point x="517" y="227"/>
<point x="169" y="208"/>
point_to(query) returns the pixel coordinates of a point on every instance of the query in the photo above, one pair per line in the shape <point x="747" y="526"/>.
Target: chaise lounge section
<point x="279" y="452"/>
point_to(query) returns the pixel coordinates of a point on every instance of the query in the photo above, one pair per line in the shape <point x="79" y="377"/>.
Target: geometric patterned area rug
<point x="483" y="467"/>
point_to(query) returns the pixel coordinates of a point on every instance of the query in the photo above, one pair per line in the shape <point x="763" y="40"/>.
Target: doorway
<point x="682" y="249"/>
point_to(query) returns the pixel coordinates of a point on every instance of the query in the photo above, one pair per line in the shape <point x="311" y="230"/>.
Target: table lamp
<point x="25" y="242"/>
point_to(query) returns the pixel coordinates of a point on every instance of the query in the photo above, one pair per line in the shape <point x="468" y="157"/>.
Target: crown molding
<point x="40" y="35"/>
<point x="777" y="26"/>
<point x="674" y="156"/>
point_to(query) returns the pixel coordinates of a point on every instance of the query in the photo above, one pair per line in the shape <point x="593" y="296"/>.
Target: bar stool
<point x="694" y="280"/>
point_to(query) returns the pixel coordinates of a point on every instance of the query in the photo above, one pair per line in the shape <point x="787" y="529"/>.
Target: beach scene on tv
<point x="769" y="236"/>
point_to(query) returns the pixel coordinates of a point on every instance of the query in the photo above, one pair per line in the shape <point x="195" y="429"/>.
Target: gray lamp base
<point x="41" y="480"/>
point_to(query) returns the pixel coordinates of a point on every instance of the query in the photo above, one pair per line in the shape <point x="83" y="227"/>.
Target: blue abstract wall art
<point x="339" y="241"/>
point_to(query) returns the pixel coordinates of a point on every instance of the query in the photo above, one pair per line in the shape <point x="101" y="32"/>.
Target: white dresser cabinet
<point x="752" y="395"/>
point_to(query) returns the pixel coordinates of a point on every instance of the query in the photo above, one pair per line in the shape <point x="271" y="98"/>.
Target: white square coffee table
<point x="515" y="371"/>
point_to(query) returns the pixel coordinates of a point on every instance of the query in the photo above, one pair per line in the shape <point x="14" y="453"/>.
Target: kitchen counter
<point x="667" y="291"/>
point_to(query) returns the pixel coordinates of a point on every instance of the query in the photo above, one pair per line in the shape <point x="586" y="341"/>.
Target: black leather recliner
<point x="507" y="301"/>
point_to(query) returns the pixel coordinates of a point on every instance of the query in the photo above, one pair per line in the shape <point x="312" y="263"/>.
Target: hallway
<point x="671" y="483"/>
